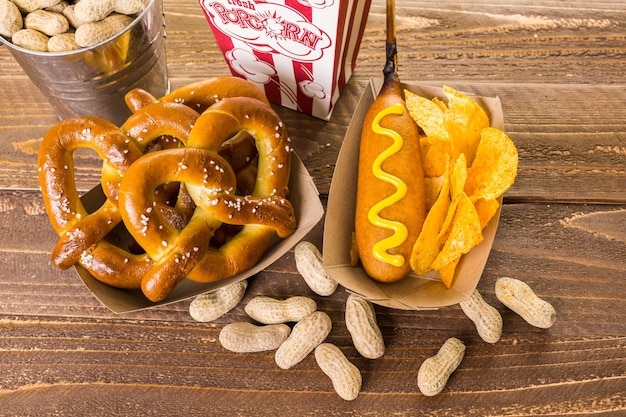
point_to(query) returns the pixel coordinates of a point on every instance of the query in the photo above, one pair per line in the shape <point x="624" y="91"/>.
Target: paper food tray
<point x="413" y="292"/>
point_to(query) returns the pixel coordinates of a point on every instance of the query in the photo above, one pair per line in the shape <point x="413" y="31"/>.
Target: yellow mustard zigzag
<point x="380" y="250"/>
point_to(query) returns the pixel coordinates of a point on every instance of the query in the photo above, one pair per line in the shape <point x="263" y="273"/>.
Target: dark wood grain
<point x="558" y="68"/>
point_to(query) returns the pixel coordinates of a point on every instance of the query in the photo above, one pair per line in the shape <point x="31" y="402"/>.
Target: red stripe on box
<point x="272" y="88"/>
<point x="340" y="48"/>
<point x="302" y="71"/>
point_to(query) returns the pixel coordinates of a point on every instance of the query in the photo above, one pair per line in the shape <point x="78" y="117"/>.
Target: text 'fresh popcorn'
<point x="301" y="52"/>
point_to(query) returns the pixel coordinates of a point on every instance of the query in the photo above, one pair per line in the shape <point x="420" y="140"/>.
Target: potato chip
<point x="446" y="272"/>
<point x="467" y="167"/>
<point x="494" y="168"/>
<point x="465" y="233"/>
<point x="427" y="245"/>
<point x="463" y="122"/>
<point x="432" y="189"/>
<point x="440" y="103"/>
<point x="446" y="226"/>
<point x="458" y="177"/>
<point x="427" y="114"/>
<point x="486" y="209"/>
<point x="434" y="160"/>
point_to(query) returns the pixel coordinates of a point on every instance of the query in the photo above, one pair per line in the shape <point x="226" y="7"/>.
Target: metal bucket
<point x="93" y="81"/>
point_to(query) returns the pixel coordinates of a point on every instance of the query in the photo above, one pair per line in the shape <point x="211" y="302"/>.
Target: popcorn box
<point x="304" y="197"/>
<point x="300" y="52"/>
<point x="413" y="292"/>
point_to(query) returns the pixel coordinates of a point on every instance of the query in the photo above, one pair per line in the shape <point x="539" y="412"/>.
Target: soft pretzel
<point x="212" y="183"/>
<point x="199" y="95"/>
<point x="223" y="120"/>
<point x="77" y="229"/>
<point x="167" y="125"/>
<point x="203" y="94"/>
<point x="230" y="116"/>
<point x="81" y="234"/>
<point x="157" y="120"/>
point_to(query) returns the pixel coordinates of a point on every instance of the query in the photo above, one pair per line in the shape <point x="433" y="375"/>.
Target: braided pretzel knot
<point x="212" y="184"/>
<point x="82" y="234"/>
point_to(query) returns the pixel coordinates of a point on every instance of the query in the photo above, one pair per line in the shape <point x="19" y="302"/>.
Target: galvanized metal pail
<point x="93" y="81"/>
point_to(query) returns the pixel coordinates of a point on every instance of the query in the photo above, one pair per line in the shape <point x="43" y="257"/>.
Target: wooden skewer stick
<point x="390" y="43"/>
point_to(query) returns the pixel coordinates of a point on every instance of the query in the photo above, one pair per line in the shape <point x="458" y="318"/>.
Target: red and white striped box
<point x="301" y="52"/>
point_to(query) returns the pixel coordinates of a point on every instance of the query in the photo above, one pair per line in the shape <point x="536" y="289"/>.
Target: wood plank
<point x="211" y="389"/>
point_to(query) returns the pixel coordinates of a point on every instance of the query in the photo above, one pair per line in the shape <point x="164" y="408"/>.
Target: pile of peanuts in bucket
<point x="311" y="326"/>
<point x="61" y="26"/>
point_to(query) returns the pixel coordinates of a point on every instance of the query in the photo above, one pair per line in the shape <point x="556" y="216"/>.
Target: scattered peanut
<point x="305" y="336"/>
<point x="62" y="43"/>
<point x="362" y="325"/>
<point x="10" y="19"/>
<point x="243" y="337"/>
<point x="48" y="23"/>
<point x="27" y="6"/>
<point x="486" y="318"/>
<point x="310" y="266"/>
<point x="30" y="39"/>
<point x="268" y="310"/>
<point x="436" y="370"/>
<point x="344" y="375"/>
<point x="213" y="305"/>
<point x="96" y="10"/>
<point x="519" y="297"/>
<point x="93" y="33"/>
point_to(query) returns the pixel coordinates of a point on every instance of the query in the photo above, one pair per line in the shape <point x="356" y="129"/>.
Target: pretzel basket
<point x="199" y="189"/>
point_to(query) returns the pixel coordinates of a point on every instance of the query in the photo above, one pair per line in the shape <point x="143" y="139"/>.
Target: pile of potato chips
<point x="467" y="167"/>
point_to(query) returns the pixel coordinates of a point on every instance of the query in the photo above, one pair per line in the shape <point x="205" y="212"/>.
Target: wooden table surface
<point x="559" y="68"/>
